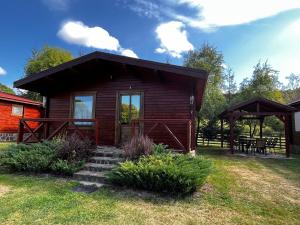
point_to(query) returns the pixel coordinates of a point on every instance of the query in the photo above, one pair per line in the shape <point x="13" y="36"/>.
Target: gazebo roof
<point x="258" y="105"/>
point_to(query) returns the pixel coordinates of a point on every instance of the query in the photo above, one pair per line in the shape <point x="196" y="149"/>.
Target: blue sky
<point x="161" y="30"/>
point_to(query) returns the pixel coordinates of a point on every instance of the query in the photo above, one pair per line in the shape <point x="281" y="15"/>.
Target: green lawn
<point x="239" y="191"/>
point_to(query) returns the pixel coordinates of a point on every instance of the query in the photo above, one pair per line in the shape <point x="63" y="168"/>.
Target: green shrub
<point x="160" y="149"/>
<point x="64" y="167"/>
<point x="165" y="173"/>
<point x="59" y="156"/>
<point x="32" y="158"/>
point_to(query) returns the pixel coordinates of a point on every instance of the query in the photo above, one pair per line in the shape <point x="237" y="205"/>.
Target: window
<point x="83" y="108"/>
<point x="130" y="108"/>
<point x="17" y="110"/>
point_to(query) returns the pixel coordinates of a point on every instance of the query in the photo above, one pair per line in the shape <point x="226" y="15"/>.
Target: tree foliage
<point x="6" y="89"/>
<point x="210" y="59"/>
<point x="292" y="89"/>
<point x="229" y="85"/>
<point x="43" y="59"/>
<point x="263" y="83"/>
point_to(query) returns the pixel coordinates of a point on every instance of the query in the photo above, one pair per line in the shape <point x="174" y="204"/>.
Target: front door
<point x="130" y="108"/>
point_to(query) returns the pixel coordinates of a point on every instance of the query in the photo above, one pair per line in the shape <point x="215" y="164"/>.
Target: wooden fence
<point x="216" y="142"/>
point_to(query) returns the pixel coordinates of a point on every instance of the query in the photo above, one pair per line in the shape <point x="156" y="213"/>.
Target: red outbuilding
<point x="12" y="109"/>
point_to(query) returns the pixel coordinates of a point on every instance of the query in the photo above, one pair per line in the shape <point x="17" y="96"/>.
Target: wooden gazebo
<point x="257" y="108"/>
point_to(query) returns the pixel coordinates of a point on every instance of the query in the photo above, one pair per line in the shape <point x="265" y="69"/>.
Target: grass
<point x="239" y="191"/>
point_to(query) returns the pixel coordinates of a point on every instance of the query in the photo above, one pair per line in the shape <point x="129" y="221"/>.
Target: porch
<point x="32" y="130"/>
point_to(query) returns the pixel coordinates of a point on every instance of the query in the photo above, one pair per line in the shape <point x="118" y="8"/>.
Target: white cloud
<point x="2" y="71"/>
<point x="173" y="39"/>
<point x="211" y="14"/>
<point x="216" y="13"/>
<point x="129" y="53"/>
<point x="76" y="32"/>
<point x="145" y="8"/>
<point x="60" y="5"/>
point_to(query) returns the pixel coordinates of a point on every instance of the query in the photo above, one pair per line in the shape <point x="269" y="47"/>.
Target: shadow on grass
<point x="287" y="168"/>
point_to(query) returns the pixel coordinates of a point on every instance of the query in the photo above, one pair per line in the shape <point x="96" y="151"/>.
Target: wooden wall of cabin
<point x="10" y="123"/>
<point x="296" y="134"/>
<point x="164" y="98"/>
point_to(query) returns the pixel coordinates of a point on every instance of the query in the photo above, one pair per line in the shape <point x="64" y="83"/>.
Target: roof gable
<point x="265" y="105"/>
<point x="18" y="99"/>
<point x="184" y="71"/>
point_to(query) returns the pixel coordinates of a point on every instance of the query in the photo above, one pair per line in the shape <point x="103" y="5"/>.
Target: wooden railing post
<point x="97" y="132"/>
<point x="189" y="136"/>
<point x="20" y="132"/>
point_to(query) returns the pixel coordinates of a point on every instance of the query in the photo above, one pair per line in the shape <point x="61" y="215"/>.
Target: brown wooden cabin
<point x="113" y="97"/>
<point x="295" y="124"/>
<point x="12" y="108"/>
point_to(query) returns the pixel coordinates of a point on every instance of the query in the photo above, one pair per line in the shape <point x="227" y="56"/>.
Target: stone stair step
<point x="87" y="183"/>
<point x="108" y="153"/>
<point x="90" y="176"/>
<point x="105" y="160"/>
<point x="98" y="167"/>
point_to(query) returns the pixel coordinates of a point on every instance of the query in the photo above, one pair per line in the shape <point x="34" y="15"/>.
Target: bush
<point x="160" y="149"/>
<point x="64" y="167"/>
<point x="73" y="148"/>
<point x="137" y="147"/>
<point x="32" y="158"/>
<point x="165" y="173"/>
<point x="64" y="155"/>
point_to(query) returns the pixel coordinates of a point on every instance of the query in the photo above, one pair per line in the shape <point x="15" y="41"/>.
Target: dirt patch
<point x="3" y="190"/>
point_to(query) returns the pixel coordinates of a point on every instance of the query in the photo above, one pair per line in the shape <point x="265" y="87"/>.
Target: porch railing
<point x="164" y="123"/>
<point x="41" y="129"/>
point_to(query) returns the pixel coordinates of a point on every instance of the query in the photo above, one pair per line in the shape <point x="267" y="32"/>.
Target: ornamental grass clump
<point x="138" y="146"/>
<point x="165" y="173"/>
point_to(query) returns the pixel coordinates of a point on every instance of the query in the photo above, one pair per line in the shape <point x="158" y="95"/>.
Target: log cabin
<point x="112" y="98"/>
<point x="12" y="108"/>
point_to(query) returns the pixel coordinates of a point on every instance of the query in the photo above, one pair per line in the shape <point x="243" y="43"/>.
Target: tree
<point x="207" y="58"/>
<point x="43" y="59"/>
<point x="229" y="85"/>
<point x="6" y="89"/>
<point x="263" y="83"/>
<point x="210" y="59"/>
<point x="292" y="90"/>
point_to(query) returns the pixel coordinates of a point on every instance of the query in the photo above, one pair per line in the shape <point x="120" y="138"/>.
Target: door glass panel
<point x="83" y="108"/>
<point x="135" y="106"/>
<point x="124" y="112"/>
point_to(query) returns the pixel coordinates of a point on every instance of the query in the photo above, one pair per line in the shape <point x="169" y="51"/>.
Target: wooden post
<point x="231" y="141"/>
<point x="189" y="136"/>
<point x="222" y="133"/>
<point x="261" y="120"/>
<point x="286" y="133"/>
<point x="20" y="132"/>
<point x="97" y="133"/>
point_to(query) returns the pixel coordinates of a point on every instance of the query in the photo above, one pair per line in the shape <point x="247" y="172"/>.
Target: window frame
<point x="72" y="105"/>
<point x="12" y="110"/>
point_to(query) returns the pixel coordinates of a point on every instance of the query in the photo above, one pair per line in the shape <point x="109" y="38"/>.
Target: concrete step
<point x="98" y="167"/>
<point x="90" y="176"/>
<point x="105" y="160"/>
<point x="87" y="183"/>
<point x="108" y="153"/>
